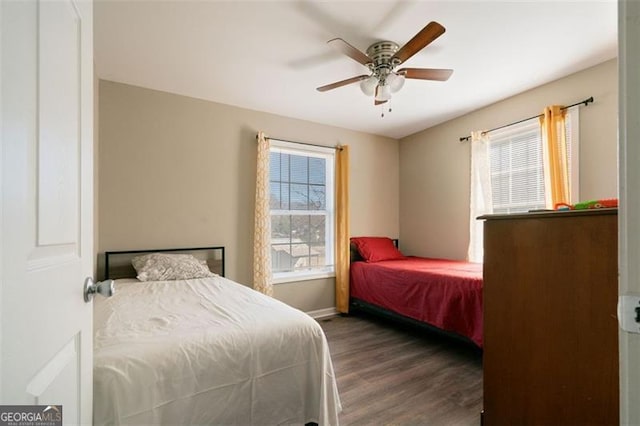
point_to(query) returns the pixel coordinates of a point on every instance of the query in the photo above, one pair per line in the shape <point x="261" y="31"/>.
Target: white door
<point x="46" y="216"/>
<point x="629" y="229"/>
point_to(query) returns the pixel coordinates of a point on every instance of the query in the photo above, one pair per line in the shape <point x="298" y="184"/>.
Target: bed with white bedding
<point x="208" y="351"/>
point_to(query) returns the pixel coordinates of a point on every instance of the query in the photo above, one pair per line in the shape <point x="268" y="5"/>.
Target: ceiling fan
<point x="383" y="57"/>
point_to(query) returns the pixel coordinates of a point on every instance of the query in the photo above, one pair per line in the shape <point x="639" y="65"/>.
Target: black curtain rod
<point x="585" y="102"/>
<point x="305" y="143"/>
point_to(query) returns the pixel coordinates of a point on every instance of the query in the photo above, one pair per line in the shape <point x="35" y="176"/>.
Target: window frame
<point x="328" y="154"/>
<point x="573" y="151"/>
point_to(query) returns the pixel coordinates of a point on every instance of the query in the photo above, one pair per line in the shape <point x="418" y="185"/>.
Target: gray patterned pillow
<point x="164" y="267"/>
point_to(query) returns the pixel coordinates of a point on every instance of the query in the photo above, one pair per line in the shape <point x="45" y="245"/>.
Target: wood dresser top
<point x="550" y="214"/>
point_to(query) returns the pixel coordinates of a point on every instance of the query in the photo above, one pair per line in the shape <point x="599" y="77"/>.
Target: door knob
<point x="105" y="288"/>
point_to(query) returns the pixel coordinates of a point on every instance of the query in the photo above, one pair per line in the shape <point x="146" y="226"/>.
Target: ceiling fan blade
<point x="376" y="103"/>
<point x="432" y="31"/>
<point x="344" y="47"/>
<point x="426" y="73"/>
<point x="341" y="83"/>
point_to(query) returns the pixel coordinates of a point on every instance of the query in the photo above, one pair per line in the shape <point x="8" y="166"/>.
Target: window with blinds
<point x="517" y="175"/>
<point x="301" y="203"/>
<point x="516" y="166"/>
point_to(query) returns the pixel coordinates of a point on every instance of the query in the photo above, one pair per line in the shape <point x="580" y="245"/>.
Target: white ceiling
<point x="271" y="55"/>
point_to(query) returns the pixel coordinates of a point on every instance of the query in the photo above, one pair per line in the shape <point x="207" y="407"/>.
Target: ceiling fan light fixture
<point x="382" y="58"/>
<point x="383" y="93"/>
<point x="368" y="85"/>
<point x="395" y="81"/>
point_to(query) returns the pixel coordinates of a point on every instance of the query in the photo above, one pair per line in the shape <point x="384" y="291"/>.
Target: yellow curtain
<point x="342" y="229"/>
<point x="556" y="164"/>
<point x="262" y="229"/>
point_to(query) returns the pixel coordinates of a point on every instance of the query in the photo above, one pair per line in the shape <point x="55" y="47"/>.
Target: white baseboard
<point x="323" y="313"/>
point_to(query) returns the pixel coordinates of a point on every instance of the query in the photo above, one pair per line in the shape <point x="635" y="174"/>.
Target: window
<point x="511" y="165"/>
<point x="516" y="166"/>
<point x="302" y="214"/>
<point x="517" y="173"/>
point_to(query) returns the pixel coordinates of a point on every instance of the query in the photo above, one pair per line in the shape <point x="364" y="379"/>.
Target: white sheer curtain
<point x="480" y="194"/>
<point x="262" y="230"/>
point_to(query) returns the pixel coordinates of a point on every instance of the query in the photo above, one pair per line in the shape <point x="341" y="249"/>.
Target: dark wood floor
<point x="390" y="374"/>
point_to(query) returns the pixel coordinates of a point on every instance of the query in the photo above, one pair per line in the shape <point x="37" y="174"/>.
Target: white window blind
<point x="516" y="165"/>
<point x="517" y="174"/>
<point x="301" y="202"/>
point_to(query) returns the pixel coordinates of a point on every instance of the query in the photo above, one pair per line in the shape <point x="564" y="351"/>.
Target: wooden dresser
<point x="550" y="327"/>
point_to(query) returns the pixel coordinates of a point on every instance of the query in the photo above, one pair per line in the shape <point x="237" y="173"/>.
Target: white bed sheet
<point x="208" y="351"/>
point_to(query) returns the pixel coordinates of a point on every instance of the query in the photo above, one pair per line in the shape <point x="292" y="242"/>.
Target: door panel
<point x="47" y="201"/>
<point x="57" y="381"/>
<point x="58" y="123"/>
<point x="629" y="173"/>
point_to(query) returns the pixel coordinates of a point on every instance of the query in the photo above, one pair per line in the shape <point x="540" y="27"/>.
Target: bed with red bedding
<point x="446" y="294"/>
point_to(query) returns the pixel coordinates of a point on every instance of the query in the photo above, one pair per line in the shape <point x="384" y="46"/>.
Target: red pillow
<point x="375" y="249"/>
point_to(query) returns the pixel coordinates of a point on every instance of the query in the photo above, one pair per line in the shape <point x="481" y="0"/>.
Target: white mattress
<point x="208" y="351"/>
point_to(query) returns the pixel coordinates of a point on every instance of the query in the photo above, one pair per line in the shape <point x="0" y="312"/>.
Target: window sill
<point x="308" y="276"/>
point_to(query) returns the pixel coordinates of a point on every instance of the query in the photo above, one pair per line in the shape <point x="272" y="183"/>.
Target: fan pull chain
<point x="382" y="108"/>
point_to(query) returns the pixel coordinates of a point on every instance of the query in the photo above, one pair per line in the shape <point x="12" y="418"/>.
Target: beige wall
<point x="177" y="171"/>
<point x="434" y="165"/>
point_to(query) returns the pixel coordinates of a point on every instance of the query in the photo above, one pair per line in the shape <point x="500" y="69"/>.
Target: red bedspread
<point x="444" y="293"/>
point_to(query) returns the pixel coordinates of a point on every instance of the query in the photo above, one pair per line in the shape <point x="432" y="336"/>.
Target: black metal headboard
<point x="117" y="264"/>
